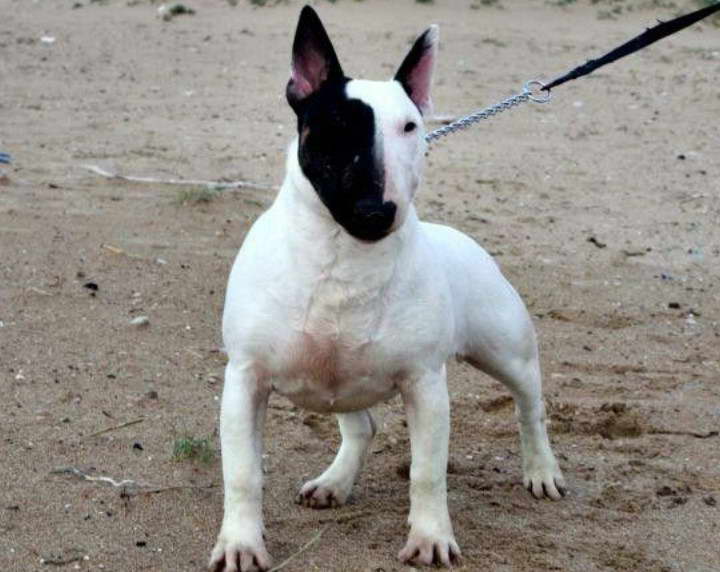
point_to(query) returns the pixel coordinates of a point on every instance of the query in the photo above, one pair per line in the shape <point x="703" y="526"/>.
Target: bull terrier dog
<point x="341" y="298"/>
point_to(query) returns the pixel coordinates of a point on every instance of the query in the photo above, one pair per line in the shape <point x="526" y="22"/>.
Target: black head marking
<point x="338" y="150"/>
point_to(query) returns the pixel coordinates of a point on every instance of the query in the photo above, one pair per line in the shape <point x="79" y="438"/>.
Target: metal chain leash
<point x="531" y="92"/>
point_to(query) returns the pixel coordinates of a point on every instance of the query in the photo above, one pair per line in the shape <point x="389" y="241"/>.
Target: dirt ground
<point x="602" y="208"/>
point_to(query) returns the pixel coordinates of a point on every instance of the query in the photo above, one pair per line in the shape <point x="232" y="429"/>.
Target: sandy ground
<point x="602" y="208"/>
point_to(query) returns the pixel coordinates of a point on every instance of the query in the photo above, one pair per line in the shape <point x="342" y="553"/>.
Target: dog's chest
<point x="336" y="356"/>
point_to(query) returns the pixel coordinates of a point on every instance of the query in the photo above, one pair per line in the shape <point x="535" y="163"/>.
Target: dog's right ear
<point x="313" y="59"/>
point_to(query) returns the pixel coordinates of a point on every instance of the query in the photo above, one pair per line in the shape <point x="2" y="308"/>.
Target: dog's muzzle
<point x="372" y="220"/>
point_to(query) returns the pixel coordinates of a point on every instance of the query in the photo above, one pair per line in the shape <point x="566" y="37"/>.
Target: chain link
<point x="530" y="92"/>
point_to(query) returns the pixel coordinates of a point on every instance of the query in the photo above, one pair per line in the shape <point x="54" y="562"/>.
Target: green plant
<point x="189" y="448"/>
<point x="197" y="195"/>
<point x="494" y="42"/>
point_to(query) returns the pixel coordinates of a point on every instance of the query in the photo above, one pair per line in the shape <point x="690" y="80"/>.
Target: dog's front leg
<point x="240" y="545"/>
<point x="431" y="538"/>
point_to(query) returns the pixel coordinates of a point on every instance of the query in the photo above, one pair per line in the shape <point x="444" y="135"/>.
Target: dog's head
<point x="361" y="143"/>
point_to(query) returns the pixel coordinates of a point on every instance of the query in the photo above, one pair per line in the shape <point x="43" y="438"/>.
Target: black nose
<point x="372" y="219"/>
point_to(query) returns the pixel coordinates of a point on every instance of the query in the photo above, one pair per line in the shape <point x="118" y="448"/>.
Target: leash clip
<point x="534" y="90"/>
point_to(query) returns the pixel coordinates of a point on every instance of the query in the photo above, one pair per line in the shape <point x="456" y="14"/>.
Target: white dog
<point x="340" y="298"/>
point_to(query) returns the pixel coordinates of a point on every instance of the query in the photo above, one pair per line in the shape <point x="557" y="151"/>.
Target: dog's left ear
<point x="314" y="61"/>
<point x="415" y="73"/>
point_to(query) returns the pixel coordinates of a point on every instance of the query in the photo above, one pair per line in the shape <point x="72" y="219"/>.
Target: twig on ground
<point x="76" y="555"/>
<point x="218" y="185"/>
<point x="78" y="473"/>
<point x="157" y="490"/>
<point x="116" y="427"/>
<point x="696" y="434"/>
<point x="39" y="291"/>
<point x="149" y="489"/>
<point x="303" y="548"/>
<point x="119" y="251"/>
<point x="347" y="517"/>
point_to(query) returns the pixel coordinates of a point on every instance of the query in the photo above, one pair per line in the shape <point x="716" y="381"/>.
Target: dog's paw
<point x="315" y="494"/>
<point x="229" y="556"/>
<point x="545" y="480"/>
<point x="429" y="549"/>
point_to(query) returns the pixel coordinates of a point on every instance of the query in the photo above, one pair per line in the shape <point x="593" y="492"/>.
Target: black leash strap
<point x="649" y="36"/>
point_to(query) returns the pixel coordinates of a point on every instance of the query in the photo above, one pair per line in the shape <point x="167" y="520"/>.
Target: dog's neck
<point x="311" y="228"/>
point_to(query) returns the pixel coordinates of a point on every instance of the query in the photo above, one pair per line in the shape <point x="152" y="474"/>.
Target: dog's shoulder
<point x="448" y="242"/>
<point x="465" y="262"/>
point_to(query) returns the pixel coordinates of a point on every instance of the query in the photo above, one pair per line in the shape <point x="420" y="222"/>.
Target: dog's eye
<point x="410" y="126"/>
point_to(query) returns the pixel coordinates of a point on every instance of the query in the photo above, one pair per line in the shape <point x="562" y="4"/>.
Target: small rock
<point x="674" y="305"/>
<point x="168" y="11"/>
<point x="140" y="321"/>
<point x="137" y="445"/>
<point x="403" y="471"/>
<point x="710" y="500"/>
<point x="152" y="394"/>
<point x="596" y="242"/>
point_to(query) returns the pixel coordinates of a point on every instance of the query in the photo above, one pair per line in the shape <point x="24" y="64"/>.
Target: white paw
<point x="425" y="548"/>
<point x="318" y="494"/>
<point x="543" y="478"/>
<point x="240" y="555"/>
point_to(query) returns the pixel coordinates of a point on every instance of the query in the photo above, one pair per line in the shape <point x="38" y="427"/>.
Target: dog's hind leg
<point x="508" y="352"/>
<point x="332" y="488"/>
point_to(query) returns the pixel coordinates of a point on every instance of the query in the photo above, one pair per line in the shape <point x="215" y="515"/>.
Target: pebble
<point x="140" y="321"/>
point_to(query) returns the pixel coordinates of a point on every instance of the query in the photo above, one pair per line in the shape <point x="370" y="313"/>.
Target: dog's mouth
<point x="370" y="220"/>
<point x="368" y="237"/>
